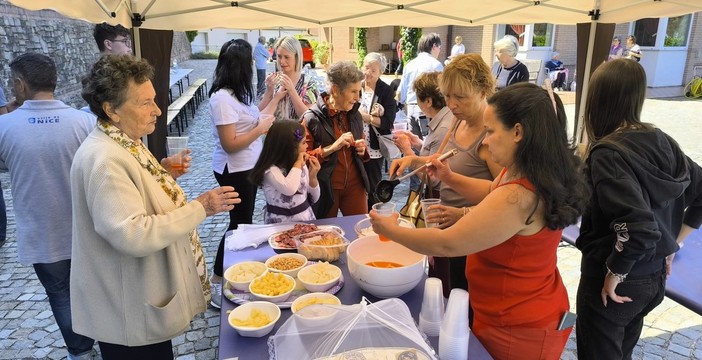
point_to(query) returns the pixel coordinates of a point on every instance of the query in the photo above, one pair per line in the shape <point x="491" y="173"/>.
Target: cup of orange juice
<point x="177" y="147"/>
<point x="385" y="209"/>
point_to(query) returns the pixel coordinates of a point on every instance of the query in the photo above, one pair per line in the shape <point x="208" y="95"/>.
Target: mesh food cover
<point x="378" y="331"/>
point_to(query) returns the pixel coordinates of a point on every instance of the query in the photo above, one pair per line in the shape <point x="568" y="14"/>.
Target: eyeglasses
<point x="127" y="42"/>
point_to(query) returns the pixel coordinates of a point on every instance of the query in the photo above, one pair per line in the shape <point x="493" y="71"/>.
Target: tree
<point x="191" y="35"/>
<point x="410" y="42"/>
<point x="360" y="42"/>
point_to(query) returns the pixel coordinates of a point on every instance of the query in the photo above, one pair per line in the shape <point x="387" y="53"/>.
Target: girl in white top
<point x="237" y="128"/>
<point x="288" y="175"/>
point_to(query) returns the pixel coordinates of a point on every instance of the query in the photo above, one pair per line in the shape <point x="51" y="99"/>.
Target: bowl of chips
<point x="324" y="245"/>
<point x="319" y="276"/>
<point x="254" y="319"/>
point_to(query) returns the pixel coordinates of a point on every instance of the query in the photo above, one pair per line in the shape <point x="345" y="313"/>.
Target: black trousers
<point x="612" y="332"/>
<point x="242" y="212"/>
<point x="159" y="351"/>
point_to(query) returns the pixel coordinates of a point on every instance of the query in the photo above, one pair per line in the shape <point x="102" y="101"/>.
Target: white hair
<point x="507" y="45"/>
<point x="375" y="57"/>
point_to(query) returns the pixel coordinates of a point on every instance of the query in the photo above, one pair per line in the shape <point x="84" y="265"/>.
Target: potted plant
<point x="321" y="53"/>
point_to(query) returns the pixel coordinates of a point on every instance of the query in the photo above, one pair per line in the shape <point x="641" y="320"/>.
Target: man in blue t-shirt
<point x="37" y="143"/>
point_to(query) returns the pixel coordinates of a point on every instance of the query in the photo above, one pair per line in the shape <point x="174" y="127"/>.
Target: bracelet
<point x="619" y="277"/>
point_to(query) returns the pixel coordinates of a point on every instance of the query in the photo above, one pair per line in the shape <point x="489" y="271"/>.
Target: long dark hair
<point x="280" y="149"/>
<point x="544" y="156"/>
<point x="234" y="71"/>
<point x="615" y="98"/>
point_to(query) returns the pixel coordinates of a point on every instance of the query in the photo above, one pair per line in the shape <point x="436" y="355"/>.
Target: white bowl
<point x="384" y="282"/>
<point x="240" y="274"/>
<point x="313" y="314"/>
<point x="364" y="227"/>
<point x="278" y="296"/>
<point x="276" y="260"/>
<point x="244" y="312"/>
<point x="312" y="277"/>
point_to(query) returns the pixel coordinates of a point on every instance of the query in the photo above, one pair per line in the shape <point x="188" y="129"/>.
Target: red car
<point x="307" y="53"/>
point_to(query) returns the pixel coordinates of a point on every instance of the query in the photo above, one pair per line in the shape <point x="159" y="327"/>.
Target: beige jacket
<point x="133" y="276"/>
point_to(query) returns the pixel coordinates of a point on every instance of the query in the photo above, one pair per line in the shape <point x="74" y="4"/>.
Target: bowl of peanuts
<point x="240" y="274"/>
<point x="319" y="277"/>
<point x="272" y="286"/>
<point x="324" y="245"/>
<point x="254" y="319"/>
<point x="286" y="263"/>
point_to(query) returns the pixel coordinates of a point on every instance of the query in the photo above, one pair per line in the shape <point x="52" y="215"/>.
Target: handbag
<point x="387" y="146"/>
<point x="412" y="210"/>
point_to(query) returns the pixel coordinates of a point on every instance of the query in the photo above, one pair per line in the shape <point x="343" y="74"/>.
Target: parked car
<point x="307" y="53"/>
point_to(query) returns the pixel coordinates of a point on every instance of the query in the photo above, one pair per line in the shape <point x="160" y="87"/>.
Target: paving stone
<point x="680" y="349"/>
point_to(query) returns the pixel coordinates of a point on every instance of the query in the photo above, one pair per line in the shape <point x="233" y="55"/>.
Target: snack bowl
<point x="287" y="263"/>
<point x="381" y="281"/>
<point x="324" y="245"/>
<point x="315" y="309"/>
<point x="240" y="274"/>
<point x="319" y="277"/>
<point x="364" y="227"/>
<point x="247" y="311"/>
<point x="273" y="287"/>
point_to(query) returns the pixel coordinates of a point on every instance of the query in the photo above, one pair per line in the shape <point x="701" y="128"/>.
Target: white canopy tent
<point x="184" y="15"/>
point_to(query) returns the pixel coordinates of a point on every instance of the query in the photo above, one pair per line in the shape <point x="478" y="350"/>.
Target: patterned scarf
<point x="169" y="186"/>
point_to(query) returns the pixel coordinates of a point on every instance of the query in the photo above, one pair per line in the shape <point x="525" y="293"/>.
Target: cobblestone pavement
<point x="28" y="330"/>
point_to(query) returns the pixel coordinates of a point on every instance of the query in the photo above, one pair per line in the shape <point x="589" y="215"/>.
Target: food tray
<point x="281" y="249"/>
<point x="242" y="297"/>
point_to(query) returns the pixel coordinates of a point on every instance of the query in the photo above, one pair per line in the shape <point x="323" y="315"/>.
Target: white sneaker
<point x="216" y="301"/>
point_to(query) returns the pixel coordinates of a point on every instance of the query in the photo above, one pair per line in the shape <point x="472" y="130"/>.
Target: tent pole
<point x="580" y="121"/>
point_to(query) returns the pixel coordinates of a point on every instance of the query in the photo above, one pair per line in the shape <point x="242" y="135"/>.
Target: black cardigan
<point x="384" y="96"/>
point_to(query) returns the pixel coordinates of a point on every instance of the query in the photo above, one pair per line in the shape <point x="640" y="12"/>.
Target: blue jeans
<point x="56" y="279"/>
<point x="260" y="81"/>
<point x="612" y="332"/>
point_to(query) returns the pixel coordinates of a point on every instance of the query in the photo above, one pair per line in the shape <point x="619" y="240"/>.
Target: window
<point x="352" y="38"/>
<point x="543" y="35"/>
<point x="677" y="31"/>
<point x="516" y="31"/>
<point x="646" y="31"/>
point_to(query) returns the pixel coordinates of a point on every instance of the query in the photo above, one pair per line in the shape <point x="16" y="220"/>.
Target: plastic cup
<point x="267" y="118"/>
<point x="385" y="209"/>
<point x="177" y="146"/>
<point x="432" y="307"/>
<point x="426" y="203"/>
<point x="455" y="322"/>
<point x="399" y="126"/>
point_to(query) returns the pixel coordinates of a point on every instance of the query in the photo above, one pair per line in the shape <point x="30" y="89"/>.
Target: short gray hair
<point x="507" y="45"/>
<point x="291" y="44"/>
<point x="262" y="39"/>
<point x="344" y="73"/>
<point x="375" y="57"/>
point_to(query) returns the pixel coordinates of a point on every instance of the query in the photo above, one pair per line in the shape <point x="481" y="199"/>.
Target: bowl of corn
<point x="254" y="319"/>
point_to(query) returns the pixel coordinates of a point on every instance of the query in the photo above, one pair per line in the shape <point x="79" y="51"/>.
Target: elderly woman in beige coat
<point x="138" y="271"/>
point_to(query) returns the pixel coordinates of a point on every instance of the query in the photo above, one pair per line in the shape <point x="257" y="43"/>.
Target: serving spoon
<point x="385" y="188"/>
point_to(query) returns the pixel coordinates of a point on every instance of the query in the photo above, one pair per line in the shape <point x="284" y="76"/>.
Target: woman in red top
<point x="512" y="235"/>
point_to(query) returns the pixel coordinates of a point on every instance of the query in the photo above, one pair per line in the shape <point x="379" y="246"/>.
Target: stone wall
<point x="67" y="41"/>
